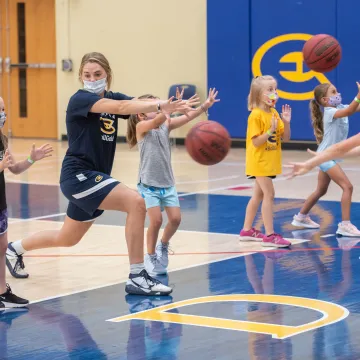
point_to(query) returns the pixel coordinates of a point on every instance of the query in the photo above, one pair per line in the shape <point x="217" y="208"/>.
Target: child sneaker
<point x="275" y="240"/>
<point x="304" y="221"/>
<point x="347" y="229"/>
<point x="251" y="235"/>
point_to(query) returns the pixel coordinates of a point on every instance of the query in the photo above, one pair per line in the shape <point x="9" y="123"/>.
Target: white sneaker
<point x="162" y="253"/>
<point x="15" y="263"/>
<point x="153" y="265"/>
<point x="349" y="230"/>
<point x="144" y="284"/>
<point x="304" y="222"/>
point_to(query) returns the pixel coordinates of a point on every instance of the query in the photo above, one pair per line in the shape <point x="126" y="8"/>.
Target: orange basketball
<point x="208" y="142"/>
<point x="322" y="53"/>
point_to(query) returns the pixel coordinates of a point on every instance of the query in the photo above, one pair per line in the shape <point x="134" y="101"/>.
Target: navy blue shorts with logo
<point x="3" y="221"/>
<point x="86" y="191"/>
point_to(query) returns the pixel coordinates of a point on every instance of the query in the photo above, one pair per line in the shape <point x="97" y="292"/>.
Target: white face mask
<point x="96" y="87"/>
<point x="2" y="119"/>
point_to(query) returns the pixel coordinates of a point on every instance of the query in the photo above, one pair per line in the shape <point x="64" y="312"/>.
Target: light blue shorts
<point x="163" y="197"/>
<point x="327" y="165"/>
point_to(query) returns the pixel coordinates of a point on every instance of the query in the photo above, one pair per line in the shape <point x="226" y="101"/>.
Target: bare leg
<point x="253" y="206"/>
<point x="174" y="220"/>
<point x="123" y="199"/>
<point x="70" y="234"/>
<point x="267" y="207"/>
<point x="152" y="234"/>
<point x="337" y="174"/>
<point x="322" y="187"/>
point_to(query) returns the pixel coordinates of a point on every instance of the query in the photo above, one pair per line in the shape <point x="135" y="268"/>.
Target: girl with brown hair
<point x="331" y="125"/>
<point x="92" y="122"/>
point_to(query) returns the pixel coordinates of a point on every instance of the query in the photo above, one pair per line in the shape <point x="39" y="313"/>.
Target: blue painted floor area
<point x="201" y="212"/>
<point x="75" y="326"/>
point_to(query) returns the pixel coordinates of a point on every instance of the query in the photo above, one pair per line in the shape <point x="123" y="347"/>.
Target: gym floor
<point x="231" y="300"/>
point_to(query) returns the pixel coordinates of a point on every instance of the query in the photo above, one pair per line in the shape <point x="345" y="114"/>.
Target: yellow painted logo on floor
<point x="331" y="313"/>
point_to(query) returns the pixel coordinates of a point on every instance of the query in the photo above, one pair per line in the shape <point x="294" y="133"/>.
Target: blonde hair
<point x="316" y="113"/>
<point x="100" y="59"/>
<point x="257" y="85"/>
<point x="133" y="121"/>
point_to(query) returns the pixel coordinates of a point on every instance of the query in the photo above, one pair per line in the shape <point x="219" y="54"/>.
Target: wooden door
<point x="28" y="67"/>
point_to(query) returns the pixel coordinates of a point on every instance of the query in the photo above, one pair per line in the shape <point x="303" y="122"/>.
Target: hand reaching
<point x="7" y="161"/>
<point x="42" y="152"/>
<point x="286" y="113"/>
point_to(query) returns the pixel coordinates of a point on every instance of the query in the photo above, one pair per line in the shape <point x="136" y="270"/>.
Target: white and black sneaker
<point x="144" y="284"/>
<point x="10" y="300"/>
<point x="15" y="263"/>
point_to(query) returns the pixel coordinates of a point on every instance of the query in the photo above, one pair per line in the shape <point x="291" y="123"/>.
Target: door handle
<point x="9" y="65"/>
<point x="33" y="66"/>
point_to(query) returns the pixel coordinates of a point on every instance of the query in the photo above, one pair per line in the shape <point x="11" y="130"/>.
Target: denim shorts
<point x="163" y="197"/>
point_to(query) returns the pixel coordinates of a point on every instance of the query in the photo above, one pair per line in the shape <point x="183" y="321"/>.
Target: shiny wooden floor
<point x="207" y="259"/>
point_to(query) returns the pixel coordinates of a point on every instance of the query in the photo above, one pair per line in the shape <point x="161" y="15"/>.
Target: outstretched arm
<point x="348" y="147"/>
<point x="191" y="115"/>
<point x="36" y="154"/>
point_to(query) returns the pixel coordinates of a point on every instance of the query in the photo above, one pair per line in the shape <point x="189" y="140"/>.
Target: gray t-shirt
<point x="335" y="130"/>
<point x="155" y="159"/>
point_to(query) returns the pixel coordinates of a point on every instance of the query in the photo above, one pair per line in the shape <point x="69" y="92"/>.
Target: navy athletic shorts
<point x="86" y="191"/>
<point x="3" y="221"/>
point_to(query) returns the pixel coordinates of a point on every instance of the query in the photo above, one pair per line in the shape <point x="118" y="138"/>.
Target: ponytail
<point x="131" y="130"/>
<point x="317" y="120"/>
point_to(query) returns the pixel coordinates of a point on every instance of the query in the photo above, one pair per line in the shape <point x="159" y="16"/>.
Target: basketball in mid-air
<point x="208" y="142"/>
<point x="322" y="53"/>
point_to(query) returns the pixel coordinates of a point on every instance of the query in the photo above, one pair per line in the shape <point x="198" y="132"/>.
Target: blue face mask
<point x="2" y="119"/>
<point x="335" y="100"/>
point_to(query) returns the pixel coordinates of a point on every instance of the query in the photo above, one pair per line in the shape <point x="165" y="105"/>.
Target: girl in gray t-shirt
<point x="156" y="181"/>
<point x="331" y="125"/>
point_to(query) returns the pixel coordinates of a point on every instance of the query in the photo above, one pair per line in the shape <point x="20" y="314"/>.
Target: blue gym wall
<point x="238" y="28"/>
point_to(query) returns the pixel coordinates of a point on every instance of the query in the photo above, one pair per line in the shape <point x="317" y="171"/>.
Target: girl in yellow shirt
<point x="265" y="132"/>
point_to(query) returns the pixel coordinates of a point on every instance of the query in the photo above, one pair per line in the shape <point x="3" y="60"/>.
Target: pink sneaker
<point x="251" y="235"/>
<point x="275" y="240"/>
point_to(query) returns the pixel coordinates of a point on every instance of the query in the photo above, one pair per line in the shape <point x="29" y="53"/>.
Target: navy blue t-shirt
<point x="91" y="136"/>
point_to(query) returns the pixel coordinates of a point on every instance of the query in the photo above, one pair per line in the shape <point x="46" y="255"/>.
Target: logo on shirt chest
<point x="273" y="142"/>
<point x="107" y="127"/>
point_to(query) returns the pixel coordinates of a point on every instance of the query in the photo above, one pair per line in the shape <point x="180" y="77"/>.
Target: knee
<point x="138" y="205"/>
<point x="175" y="220"/>
<point x="321" y="191"/>
<point x="347" y="187"/>
<point x="269" y="196"/>
<point x="156" y="222"/>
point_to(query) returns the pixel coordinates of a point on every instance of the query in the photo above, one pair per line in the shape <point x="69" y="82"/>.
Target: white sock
<point x="301" y="216"/>
<point x="136" y="268"/>
<point x="347" y="222"/>
<point x="18" y="247"/>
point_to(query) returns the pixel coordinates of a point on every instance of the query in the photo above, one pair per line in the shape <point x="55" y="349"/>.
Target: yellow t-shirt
<point x="266" y="159"/>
